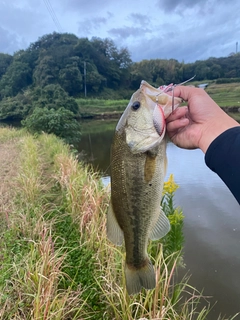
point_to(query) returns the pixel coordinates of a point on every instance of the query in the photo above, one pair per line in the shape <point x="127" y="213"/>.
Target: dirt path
<point x="8" y="171"/>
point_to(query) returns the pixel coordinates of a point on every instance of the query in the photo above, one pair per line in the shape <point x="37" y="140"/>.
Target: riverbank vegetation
<point x="56" y="262"/>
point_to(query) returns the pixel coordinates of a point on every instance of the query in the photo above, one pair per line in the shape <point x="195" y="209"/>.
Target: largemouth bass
<point x="138" y="165"/>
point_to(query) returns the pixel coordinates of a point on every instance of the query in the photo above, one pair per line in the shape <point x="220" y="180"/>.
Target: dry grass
<point x="8" y="163"/>
<point x="87" y="199"/>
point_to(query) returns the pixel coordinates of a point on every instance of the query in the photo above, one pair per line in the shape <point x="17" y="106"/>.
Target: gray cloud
<point x="127" y="32"/>
<point x="21" y="23"/>
<point x="172" y="5"/>
<point x="193" y="44"/>
<point x="24" y="19"/>
<point x="89" y="26"/>
<point x="201" y="6"/>
<point x="140" y="19"/>
<point x="8" y="41"/>
<point x="182" y="29"/>
<point x="83" y="6"/>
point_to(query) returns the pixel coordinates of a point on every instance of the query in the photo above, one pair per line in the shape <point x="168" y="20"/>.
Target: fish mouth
<point x="159" y="120"/>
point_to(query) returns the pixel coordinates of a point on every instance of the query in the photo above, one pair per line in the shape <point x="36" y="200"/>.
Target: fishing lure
<point x="171" y="87"/>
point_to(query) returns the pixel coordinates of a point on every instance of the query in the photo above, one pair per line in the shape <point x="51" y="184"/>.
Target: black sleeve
<point x="223" y="157"/>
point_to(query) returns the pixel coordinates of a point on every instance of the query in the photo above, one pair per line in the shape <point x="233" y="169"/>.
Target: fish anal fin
<point x="138" y="278"/>
<point x="161" y="227"/>
<point x="114" y="232"/>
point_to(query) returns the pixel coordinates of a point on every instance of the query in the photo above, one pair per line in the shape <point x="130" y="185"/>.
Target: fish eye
<point x="136" y="105"/>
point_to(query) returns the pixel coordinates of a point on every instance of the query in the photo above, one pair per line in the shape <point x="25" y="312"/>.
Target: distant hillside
<point x="59" y="66"/>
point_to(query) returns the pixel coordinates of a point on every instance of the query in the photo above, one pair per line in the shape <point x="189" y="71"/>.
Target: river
<point x="212" y="217"/>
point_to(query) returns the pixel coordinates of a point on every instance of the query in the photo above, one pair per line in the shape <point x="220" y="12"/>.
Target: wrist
<point x="213" y="130"/>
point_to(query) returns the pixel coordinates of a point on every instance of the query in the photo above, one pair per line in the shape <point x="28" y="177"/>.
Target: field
<point x="226" y="95"/>
<point x="98" y="107"/>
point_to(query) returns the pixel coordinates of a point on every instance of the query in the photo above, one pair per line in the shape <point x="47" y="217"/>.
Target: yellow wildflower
<point x="170" y="186"/>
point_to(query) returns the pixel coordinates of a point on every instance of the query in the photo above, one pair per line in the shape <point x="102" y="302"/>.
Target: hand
<point x="198" y="124"/>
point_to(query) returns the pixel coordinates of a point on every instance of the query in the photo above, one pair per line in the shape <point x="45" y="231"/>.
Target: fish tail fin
<point x="138" y="278"/>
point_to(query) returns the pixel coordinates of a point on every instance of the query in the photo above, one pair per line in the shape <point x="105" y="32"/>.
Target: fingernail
<point x="184" y="120"/>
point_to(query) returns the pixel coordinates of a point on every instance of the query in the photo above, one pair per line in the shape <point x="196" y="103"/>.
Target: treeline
<point x="64" y="59"/>
<point x="57" y="68"/>
<point x="72" y="62"/>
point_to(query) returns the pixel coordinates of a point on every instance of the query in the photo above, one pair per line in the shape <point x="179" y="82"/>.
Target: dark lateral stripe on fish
<point x="136" y="266"/>
<point x="150" y="167"/>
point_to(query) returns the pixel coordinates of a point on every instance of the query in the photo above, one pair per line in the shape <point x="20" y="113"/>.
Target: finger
<point x="185" y="92"/>
<point x="177" y="114"/>
<point x="174" y="126"/>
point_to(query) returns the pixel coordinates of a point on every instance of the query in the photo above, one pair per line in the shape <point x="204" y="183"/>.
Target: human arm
<point x="223" y="157"/>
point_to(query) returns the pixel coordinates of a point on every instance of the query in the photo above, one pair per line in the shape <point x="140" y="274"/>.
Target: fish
<point x="138" y="167"/>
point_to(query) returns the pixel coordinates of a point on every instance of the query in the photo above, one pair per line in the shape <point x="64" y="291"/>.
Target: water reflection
<point x="96" y="142"/>
<point x="211" y="229"/>
<point x="212" y="219"/>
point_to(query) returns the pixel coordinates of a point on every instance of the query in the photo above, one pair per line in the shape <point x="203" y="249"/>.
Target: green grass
<point x="100" y="106"/>
<point x="235" y="115"/>
<point x="56" y="262"/>
<point x="225" y="95"/>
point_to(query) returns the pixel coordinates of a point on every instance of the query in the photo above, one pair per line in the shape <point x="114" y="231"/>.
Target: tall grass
<point x="56" y="260"/>
<point x="8" y="134"/>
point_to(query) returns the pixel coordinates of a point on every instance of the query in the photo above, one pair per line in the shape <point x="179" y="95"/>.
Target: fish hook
<point x="180" y="84"/>
<point x="171" y="87"/>
<point x="173" y="98"/>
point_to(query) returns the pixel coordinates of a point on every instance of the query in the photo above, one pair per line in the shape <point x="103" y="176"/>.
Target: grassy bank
<point x="99" y="107"/>
<point x="56" y="262"/>
<point x="226" y="95"/>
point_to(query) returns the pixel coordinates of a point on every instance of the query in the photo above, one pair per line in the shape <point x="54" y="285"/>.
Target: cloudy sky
<point x="186" y="30"/>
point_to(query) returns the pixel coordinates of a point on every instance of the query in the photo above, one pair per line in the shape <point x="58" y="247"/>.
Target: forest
<point x="60" y="67"/>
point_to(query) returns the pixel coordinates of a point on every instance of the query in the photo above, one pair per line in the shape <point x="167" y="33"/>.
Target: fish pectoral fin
<point x="114" y="232"/>
<point x="161" y="228"/>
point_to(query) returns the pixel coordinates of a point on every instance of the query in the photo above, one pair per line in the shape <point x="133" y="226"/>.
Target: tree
<point x="109" y="61"/>
<point x="94" y="79"/>
<point x="5" y="61"/>
<point x="17" y="77"/>
<point x="60" y="122"/>
<point x="16" y="107"/>
<point x="201" y="70"/>
<point x="23" y="104"/>
<point x="215" y="71"/>
<point x="70" y="78"/>
<point x="53" y="96"/>
<point x="46" y="71"/>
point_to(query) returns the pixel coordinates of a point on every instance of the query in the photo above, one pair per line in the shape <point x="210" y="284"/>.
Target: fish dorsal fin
<point x="161" y="228"/>
<point x="114" y="232"/>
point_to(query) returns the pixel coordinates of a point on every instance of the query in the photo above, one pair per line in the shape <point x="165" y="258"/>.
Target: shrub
<point x="60" y="122"/>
